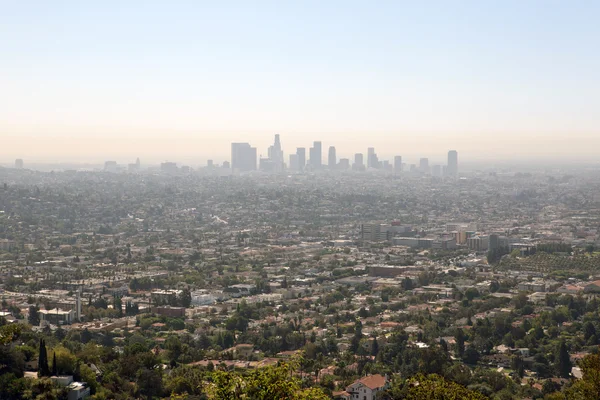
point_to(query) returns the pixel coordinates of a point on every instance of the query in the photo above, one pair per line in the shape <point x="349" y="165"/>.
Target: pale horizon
<point x="89" y="82"/>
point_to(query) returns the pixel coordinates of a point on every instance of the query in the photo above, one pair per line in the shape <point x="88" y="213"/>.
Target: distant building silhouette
<point x="452" y="168"/>
<point x="316" y="155"/>
<point x="110" y="166"/>
<point x="301" y="153"/>
<point x="19" y="163"/>
<point x="169" y="167"/>
<point x="344" y="164"/>
<point x="294" y="165"/>
<point x="276" y="155"/>
<point x="332" y="159"/>
<point x="243" y="157"/>
<point x="358" y="162"/>
<point x="398" y="164"/>
<point x="424" y="165"/>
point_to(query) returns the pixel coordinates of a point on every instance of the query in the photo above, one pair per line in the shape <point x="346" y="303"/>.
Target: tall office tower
<point x="137" y="162"/>
<point x="301" y="153"/>
<point x="316" y="155"/>
<point x="370" y="157"/>
<point x="332" y="159"/>
<point x="294" y="163"/>
<point x="452" y="168"/>
<point x="19" y="163"/>
<point x="358" y="162"/>
<point x="398" y="164"/>
<point x="276" y="155"/>
<point x="344" y="164"/>
<point x="424" y="165"/>
<point x="243" y="157"/>
<point x="210" y="164"/>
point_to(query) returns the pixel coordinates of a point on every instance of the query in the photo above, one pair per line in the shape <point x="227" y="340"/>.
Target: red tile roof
<point x="373" y="381"/>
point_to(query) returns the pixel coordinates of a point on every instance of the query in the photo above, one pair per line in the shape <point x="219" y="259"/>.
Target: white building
<point x="367" y="387"/>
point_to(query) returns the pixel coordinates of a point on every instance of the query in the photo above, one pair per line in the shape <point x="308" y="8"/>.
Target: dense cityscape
<point x="372" y="281"/>
<point x="316" y="200"/>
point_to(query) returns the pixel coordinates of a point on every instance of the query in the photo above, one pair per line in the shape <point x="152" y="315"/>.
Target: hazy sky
<point x="180" y="80"/>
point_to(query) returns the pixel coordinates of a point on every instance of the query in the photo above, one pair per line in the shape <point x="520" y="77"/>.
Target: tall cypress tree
<point x="460" y="342"/>
<point x="563" y="364"/>
<point x="43" y="369"/>
<point x="54" y="366"/>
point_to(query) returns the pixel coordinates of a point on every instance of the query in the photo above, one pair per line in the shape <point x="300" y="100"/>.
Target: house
<point x="243" y="350"/>
<point x="78" y="391"/>
<point x="592" y="287"/>
<point x="569" y="289"/>
<point x="75" y="390"/>
<point x="367" y="388"/>
<point x="342" y="395"/>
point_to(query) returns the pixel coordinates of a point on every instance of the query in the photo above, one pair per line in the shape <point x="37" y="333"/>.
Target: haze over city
<point x="310" y="200"/>
<point x="88" y="82"/>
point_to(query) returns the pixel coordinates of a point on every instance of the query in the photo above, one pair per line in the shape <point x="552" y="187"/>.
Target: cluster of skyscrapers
<point x="244" y="159"/>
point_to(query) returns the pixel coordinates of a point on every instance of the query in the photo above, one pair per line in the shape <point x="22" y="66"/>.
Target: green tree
<point x="563" y="363"/>
<point x="33" y="317"/>
<point x="43" y="369"/>
<point x="430" y="387"/>
<point x="471" y="355"/>
<point x="460" y="342"/>
<point x="517" y="365"/>
<point x="269" y="383"/>
<point x="374" y="347"/>
<point x="471" y="293"/>
<point x="88" y="376"/>
<point x="149" y="383"/>
<point x="185" y="298"/>
<point x="589" y="386"/>
<point x="54" y="365"/>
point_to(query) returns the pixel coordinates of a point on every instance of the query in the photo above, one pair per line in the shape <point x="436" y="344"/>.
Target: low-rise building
<point x="367" y="388"/>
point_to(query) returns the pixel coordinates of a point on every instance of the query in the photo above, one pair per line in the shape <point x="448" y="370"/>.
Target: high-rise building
<point x="316" y="155"/>
<point x="243" y="157"/>
<point x="452" y="168"/>
<point x="276" y="155"/>
<point x="370" y="157"/>
<point x="344" y="164"/>
<point x="424" y="165"/>
<point x="358" y="162"/>
<point x="398" y="164"/>
<point x="294" y="163"/>
<point x="19" y="163"/>
<point x="301" y="153"/>
<point x="332" y="159"/>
